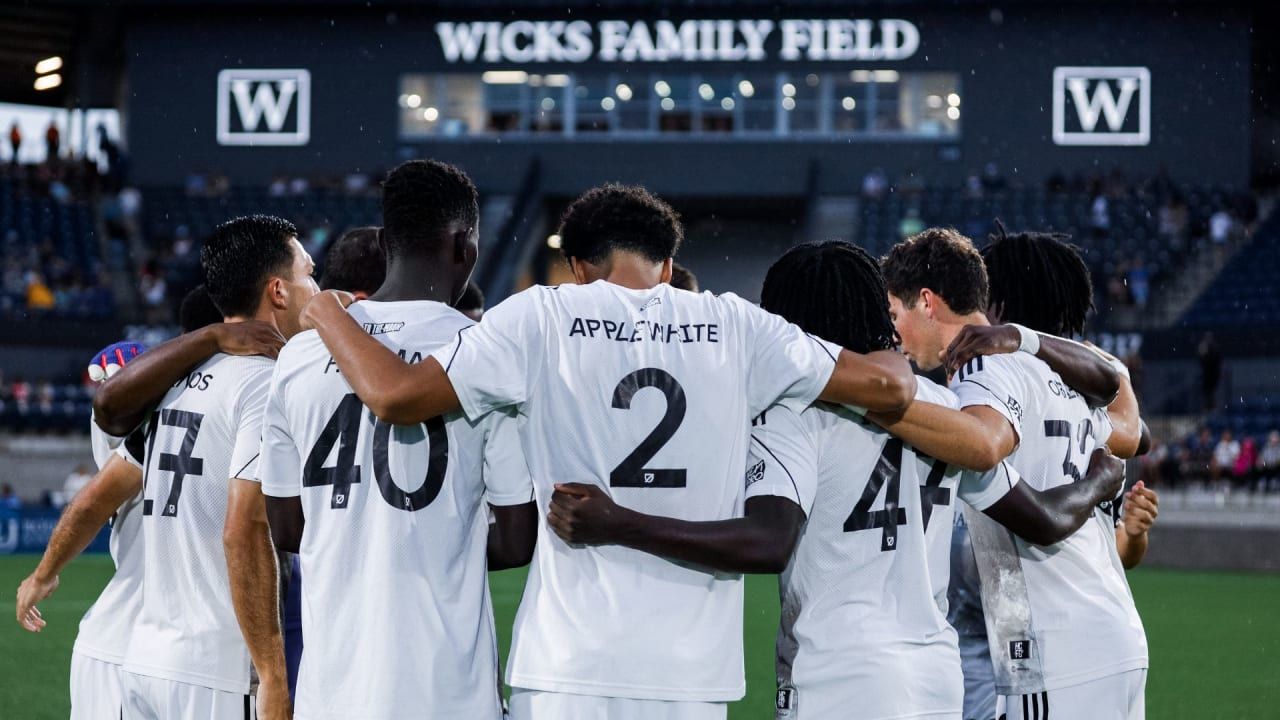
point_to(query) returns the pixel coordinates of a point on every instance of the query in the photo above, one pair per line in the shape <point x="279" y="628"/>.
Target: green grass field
<point x="1215" y="641"/>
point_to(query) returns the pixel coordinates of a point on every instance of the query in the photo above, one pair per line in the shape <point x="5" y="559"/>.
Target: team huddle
<point x="944" y="550"/>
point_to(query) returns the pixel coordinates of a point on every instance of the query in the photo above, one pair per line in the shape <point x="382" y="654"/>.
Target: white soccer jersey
<point x="105" y="627"/>
<point x="648" y="394"/>
<point x="205" y="431"/>
<point x="1082" y="618"/>
<point x="395" y="606"/>
<point x="862" y="623"/>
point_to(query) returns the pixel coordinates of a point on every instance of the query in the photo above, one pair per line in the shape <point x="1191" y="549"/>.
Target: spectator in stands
<point x="15" y="141"/>
<point x="75" y="482"/>
<point x="1269" y="462"/>
<point x="52" y="142"/>
<point x="1225" y="454"/>
<point x="1100" y="216"/>
<point x="1139" y="282"/>
<point x="8" y="500"/>
<point x="1221" y="226"/>
<point x="1172" y="222"/>
<point x="39" y="295"/>
<point x="1242" y="472"/>
<point x="1210" y="370"/>
<point x="911" y="224"/>
<point x="1198" y="456"/>
<point x="992" y="179"/>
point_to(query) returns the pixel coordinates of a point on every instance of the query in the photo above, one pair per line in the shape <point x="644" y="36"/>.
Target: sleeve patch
<point x="755" y="473"/>
<point x="1014" y="407"/>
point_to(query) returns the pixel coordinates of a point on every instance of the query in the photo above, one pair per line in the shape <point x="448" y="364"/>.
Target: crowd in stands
<point x="1223" y="461"/>
<point x="44" y="406"/>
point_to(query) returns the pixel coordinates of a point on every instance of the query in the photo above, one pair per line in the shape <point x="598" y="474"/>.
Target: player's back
<point x="859" y="613"/>
<point x="649" y="394"/>
<point x="396" y="612"/>
<point x="1084" y="624"/>
<point x="203" y="433"/>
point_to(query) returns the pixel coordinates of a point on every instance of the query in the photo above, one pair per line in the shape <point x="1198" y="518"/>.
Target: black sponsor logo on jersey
<point x="1020" y="650"/>
<point x="755" y="473"/>
<point x="382" y="328"/>
<point x="1014" y="407"/>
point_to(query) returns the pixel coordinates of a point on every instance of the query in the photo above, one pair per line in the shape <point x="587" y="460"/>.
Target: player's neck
<point x="263" y="314"/>
<point x="952" y="324"/>
<point x="410" y="283"/>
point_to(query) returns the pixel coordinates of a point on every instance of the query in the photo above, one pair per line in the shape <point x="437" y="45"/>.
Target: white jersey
<point x="395" y="607"/>
<point x="205" y="431"/>
<point x="105" y="628"/>
<point x="1083" y="622"/>
<point x="862" y="624"/>
<point x="648" y="394"/>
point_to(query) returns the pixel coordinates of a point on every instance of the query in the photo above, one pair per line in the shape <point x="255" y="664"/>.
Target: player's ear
<point x="579" y="270"/>
<point x="666" y="270"/>
<point x="278" y="293"/>
<point x="464" y="250"/>
<point x="926" y="301"/>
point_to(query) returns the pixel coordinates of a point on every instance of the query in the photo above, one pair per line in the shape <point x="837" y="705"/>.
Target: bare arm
<point x="1141" y="507"/>
<point x="761" y="542"/>
<point x="512" y="535"/>
<point x="976" y="439"/>
<point x="1083" y="369"/>
<point x="396" y="392"/>
<point x="880" y="381"/>
<point x="123" y="402"/>
<point x="89" y="510"/>
<point x="1126" y="423"/>
<point x="251" y="567"/>
<point x="1045" y="517"/>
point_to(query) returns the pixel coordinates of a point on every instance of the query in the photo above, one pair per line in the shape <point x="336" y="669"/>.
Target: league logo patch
<point x="785" y="701"/>
<point x="755" y="473"/>
<point x="652" y="302"/>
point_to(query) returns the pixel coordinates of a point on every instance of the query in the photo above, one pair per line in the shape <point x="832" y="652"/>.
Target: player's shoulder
<point x="1005" y="366"/>
<point x="299" y="347"/>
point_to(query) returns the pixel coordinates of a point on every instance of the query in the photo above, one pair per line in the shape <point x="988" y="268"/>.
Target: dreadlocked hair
<point x="1038" y="280"/>
<point x="834" y="290"/>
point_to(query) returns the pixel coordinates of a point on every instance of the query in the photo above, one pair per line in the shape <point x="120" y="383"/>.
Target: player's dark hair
<point x="241" y="257"/>
<point x="355" y="262"/>
<point x="197" y="310"/>
<point x="472" y="299"/>
<point x="1039" y="280"/>
<point x="834" y="290"/>
<point x="682" y="278"/>
<point x="420" y="198"/>
<point x="619" y="217"/>
<point x="942" y="260"/>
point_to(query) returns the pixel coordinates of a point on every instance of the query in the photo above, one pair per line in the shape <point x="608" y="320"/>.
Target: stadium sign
<point x="525" y="41"/>
<point x="272" y="107"/>
<point x="1101" y="106"/>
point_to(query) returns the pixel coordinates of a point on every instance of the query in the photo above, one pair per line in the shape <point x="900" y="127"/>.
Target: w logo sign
<point x="264" y="107"/>
<point x="1101" y="106"/>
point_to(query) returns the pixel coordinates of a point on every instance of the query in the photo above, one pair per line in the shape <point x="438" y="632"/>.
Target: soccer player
<point x="1015" y="406"/>
<point x="624" y="381"/>
<point x="389" y="521"/>
<point x="207" y="548"/>
<point x="860" y="610"/>
<point x="114" y="495"/>
<point x="356" y="263"/>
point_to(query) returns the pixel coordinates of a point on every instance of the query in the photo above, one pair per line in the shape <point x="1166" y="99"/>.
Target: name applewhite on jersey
<point x="633" y="331"/>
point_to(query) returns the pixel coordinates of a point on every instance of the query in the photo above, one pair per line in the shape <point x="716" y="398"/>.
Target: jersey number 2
<point x="631" y="472"/>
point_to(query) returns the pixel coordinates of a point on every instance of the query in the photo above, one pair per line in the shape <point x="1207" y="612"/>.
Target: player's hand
<point x="1141" y="508"/>
<point x="273" y="699"/>
<point x="108" y="361"/>
<point x="319" y="307"/>
<point x="33" y="590"/>
<point x="583" y="514"/>
<point x="1108" y="469"/>
<point x="975" y="340"/>
<point x="252" y="337"/>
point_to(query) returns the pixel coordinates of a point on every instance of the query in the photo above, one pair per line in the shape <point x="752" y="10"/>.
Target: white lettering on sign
<point x="525" y="41"/>
<point x="1101" y="106"/>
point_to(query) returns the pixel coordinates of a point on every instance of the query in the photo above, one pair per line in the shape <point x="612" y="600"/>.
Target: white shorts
<point x="540" y="705"/>
<point x="149" y="698"/>
<point x="1116" y="697"/>
<point x="96" y="693"/>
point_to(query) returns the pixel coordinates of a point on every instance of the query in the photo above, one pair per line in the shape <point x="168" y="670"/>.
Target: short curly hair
<point x="942" y="260"/>
<point x="619" y="217"/>
<point x="241" y="258"/>
<point x="355" y="262"/>
<point x="419" y="200"/>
